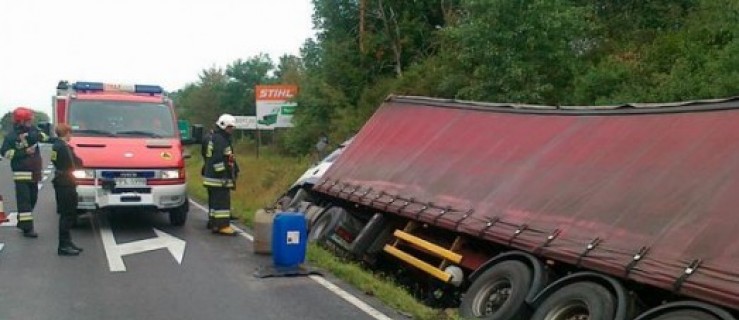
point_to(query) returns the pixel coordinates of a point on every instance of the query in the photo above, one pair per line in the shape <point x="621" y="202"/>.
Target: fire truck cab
<point x="128" y="139"/>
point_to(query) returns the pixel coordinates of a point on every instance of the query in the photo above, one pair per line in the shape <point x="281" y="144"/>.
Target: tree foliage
<point x="528" y="51"/>
<point x="6" y="122"/>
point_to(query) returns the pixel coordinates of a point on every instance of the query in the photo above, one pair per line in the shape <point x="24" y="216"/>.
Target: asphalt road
<point x="117" y="278"/>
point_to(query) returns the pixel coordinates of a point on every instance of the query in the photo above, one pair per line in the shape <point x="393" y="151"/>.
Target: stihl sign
<point x="276" y="92"/>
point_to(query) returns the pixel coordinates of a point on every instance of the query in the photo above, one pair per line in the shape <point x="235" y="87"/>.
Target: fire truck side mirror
<point x="45" y="127"/>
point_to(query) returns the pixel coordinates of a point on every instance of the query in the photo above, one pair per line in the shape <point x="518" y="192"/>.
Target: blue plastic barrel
<point x="289" y="239"/>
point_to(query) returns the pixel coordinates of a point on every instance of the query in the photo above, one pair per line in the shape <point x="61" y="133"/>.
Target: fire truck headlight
<point x="170" y="174"/>
<point x="83" y="174"/>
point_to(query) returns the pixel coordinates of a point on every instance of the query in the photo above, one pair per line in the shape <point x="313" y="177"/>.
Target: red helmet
<point x="22" y="114"/>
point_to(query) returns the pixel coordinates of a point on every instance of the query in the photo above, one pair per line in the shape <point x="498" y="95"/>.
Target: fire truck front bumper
<point x="162" y="197"/>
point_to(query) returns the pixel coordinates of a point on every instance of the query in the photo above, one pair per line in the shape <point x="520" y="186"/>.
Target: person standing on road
<point x="65" y="188"/>
<point x="21" y="147"/>
<point x="219" y="175"/>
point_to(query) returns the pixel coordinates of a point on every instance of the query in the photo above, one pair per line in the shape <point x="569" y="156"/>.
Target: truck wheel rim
<point x="492" y="297"/>
<point x="574" y="310"/>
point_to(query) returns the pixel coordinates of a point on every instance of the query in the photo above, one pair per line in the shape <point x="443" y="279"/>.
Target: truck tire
<point x="499" y="293"/>
<point x="686" y="315"/>
<point x="581" y="300"/>
<point x="326" y="223"/>
<point x="178" y="216"/>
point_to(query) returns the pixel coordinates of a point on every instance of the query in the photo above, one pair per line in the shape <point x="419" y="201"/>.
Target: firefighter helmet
<point x="226" y="120"/>
<point x="22" y="114"/>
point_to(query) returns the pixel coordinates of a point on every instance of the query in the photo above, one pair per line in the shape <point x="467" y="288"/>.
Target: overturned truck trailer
<point x="544" y="212"/>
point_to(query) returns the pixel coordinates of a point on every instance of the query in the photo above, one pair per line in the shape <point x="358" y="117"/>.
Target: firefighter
<point x="65" y="188"/>
<point x="219" y="175"/>
<point x="21" y="147"/>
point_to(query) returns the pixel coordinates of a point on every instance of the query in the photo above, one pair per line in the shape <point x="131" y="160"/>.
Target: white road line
<point x="115" y="260"/>
<point x="350" y="298"/>
<point x="361" y="305"/>
<point x="2" y="245"/>
<point x="47" y="173"/>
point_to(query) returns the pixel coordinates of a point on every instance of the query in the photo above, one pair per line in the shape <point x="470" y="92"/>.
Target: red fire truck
<point x="128" y="139"/>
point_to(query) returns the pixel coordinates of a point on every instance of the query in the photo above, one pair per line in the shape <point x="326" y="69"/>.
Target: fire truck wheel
<point x="178" y="216"/>
<point x="686" y="315"/>
<point x="326" y="224"/>
<point x="499" y="293"/>
<point x="586" y="300"/>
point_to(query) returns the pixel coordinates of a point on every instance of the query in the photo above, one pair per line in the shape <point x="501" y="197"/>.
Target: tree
<point x="243" y="77"/>
<point x="289" y="69"/>
<point x="527" y="51"/>
<point x="6" y="122"/>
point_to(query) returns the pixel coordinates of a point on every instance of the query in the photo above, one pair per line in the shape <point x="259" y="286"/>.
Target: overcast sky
<point x="166" y="42"/>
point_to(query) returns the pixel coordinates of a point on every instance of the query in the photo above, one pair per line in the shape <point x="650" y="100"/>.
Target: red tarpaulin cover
<point x="657" y="179"/>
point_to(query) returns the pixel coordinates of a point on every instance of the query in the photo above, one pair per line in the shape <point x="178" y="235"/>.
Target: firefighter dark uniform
<point x="21" y="147"/>
<point x="219" y="176"/>
<point x="65" y="188"/>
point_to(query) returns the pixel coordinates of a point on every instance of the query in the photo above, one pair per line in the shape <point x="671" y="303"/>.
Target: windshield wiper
<point x="94" y="131"/>
<point x="140" y="132"/>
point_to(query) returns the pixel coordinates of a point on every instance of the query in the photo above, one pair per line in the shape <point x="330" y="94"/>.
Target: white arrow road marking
<point x="13" y="217"/>
<point x="115" y="251"/>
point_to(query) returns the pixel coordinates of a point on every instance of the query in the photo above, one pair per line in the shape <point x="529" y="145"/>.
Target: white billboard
<point x="275" y="108"/>
<point x="249" y="123"/>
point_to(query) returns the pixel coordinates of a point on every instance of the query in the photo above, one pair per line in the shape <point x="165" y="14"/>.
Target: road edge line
<point x="348" y="297"/>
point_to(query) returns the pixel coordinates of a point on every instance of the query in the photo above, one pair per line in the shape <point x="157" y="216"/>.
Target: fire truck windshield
<point x="121" y="119"/>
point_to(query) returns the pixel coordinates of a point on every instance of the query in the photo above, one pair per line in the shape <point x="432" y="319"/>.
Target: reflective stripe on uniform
<point x="219" y="166"/>
<point x="10" y="153"/>
<point x="44" y="137"/>
<point x="209" y="149"/>
<point x="25" y="216"/>
<point x="227" y="151"/>
<point x="213" y="182"/>
<point x="53" y="155"/>
<point x="220" y="214"/>
<point x="23" y="176"/>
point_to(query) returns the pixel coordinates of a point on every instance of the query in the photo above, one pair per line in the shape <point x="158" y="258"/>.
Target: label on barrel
<point x="293" y="237"/>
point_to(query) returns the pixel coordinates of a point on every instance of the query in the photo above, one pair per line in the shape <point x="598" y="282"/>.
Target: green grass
<point x="260" y="182"/>
<point x="264" y="179"/>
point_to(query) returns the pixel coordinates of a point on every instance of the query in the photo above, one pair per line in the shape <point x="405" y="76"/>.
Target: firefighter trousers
<point x="26" y="194"/>
<point x="219" y="207"/>
<point x="66" y="207"/>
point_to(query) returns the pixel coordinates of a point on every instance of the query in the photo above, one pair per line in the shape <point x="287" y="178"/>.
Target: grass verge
<point x="265" y="178"/>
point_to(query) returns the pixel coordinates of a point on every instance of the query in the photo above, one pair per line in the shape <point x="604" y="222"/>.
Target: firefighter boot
<point x="75" y="247"/>
<point x="65" y="249"/>
<point x="226" y="231"/>
<point x="29" y="233"/>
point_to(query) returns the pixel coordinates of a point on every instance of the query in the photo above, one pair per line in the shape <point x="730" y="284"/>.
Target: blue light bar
<point x="112" y="87"/>
<point x="143" y="88"/>
<point x="88" y="86"/>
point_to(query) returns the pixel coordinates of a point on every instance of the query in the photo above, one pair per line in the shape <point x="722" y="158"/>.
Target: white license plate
<point x="130" y="182"/>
